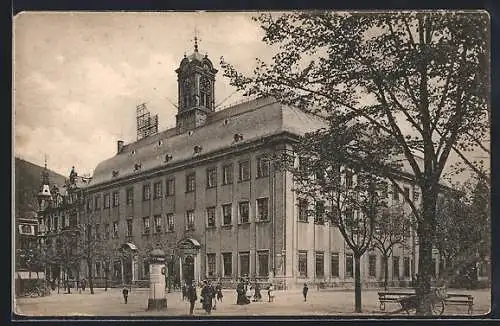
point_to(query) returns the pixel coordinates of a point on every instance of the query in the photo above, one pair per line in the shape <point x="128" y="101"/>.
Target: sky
<point x="78" y="77"/>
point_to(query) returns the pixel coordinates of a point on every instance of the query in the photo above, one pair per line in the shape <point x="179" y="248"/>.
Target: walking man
<point x="192" y="296"/>
<point x="125" y="294"/>
<point x="304" y="291"/>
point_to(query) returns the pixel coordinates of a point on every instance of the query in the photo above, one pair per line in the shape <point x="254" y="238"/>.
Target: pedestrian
<point x="207" y="296"/>
<point x="270" y="292"/>
<point x="192" y="296"/>
<point x="218" y="291"/>
<point x="125" y="294"/>
<point x="185" y="291"/>
<point x="240" y="290"/>
<point x="257" y="296"/>
<point x="84" y="284"/>
<point x="304" y="291"/>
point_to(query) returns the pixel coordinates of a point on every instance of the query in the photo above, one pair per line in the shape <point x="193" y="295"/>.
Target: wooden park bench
<point x="460" y="300"/>
<point x="392" y="297"/>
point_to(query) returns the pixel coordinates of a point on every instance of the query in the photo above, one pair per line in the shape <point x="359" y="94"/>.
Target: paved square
<point x="288" y="303"/>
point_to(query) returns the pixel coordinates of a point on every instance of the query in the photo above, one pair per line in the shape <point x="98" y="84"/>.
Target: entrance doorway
<point x="188" y="269"/>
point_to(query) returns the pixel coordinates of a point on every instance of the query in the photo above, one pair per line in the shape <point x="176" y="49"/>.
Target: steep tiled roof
<point x="253" y="120"/>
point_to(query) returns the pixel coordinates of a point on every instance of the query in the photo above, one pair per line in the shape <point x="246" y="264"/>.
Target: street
<point x="289" y="303"/>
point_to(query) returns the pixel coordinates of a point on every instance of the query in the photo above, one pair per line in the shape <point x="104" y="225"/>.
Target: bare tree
<point x="391" y="230"/>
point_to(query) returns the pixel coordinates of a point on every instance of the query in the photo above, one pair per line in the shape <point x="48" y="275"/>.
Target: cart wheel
<point x="437" y="307"/>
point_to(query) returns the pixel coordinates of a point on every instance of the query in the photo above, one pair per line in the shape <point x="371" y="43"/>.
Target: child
<point x="304" y="291"/>
<point x="125" y="294"/>
<point x="270" y="293"/>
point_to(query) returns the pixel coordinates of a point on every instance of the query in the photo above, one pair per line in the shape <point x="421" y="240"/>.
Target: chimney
<point x="120" y="146"/>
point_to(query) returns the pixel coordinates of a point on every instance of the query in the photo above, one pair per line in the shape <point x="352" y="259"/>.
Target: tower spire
<point x="196" y="40"/>
<point x="45" y="173"/>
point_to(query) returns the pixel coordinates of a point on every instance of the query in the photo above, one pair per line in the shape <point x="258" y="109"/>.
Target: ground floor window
<point x="211" y="264"/>
<point x="145" y="274"/>
<point x="263" y="263"/>
<point x="334" y="264"/>
<point x="227" y="264"/>
<point x="320" y="264"/>
<point x="406" y="266"/>
<point x="303" y="263"/>
<point x="395" y="267"/>
<point x="372" y="265"/>
<point x="349" y="265"/>
<point x="244" y="263"/>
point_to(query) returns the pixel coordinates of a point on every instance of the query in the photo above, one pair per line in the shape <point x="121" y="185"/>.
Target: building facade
<point x="208" y="195"/>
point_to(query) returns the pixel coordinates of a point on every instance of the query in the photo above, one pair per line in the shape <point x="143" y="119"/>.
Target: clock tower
<point x="196" y="80"/>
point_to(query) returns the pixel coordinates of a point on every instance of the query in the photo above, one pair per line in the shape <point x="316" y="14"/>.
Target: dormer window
<point x="238" y="137"/>
<point x="115" y="173"/>
<point x="197" y="149"/>
<point x="160" y="142"/>
<point x="226" y="122"/>
<point x="168" y="157"/>
<point x="137" y="166"/>
<point x="190" y="133"/>
<point x="132" y="152"/>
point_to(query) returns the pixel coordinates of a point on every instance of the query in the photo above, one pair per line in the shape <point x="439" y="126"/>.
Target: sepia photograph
<point x="268" y="163"/>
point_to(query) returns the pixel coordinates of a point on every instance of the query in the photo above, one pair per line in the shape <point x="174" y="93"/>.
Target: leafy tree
<point x="420" y="78"/>
<point x="391" y="229"/>
<point x="343" y="191"/>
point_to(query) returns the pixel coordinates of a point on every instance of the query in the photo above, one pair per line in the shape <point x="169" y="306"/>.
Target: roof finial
<point x="196" y="40"/>
<point x="45" y="158"/>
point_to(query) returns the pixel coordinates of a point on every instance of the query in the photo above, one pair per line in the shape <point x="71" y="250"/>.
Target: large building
<point x="205" y="192"/>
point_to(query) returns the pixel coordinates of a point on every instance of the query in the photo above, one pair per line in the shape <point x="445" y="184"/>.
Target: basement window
<point x="238" y="137"/>
<point x="168" y="157"/>
<point x="137" y="166"/>
<point x="197" y="149"/>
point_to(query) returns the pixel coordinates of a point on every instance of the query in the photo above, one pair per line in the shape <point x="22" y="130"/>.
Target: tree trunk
<point x="385" y="259"/>
<point x="357" y="284"/>
<point x="90" y="276"/>
<point x="425" y="236"/>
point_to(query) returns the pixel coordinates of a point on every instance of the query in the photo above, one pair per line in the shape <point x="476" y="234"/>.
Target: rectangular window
<point x="158" y="191"/>
<point x="244" y="209"/>
<point x="98" y="232"/>
<point x="395" y="268"/>
<point x="130" y="196"/>
<point x="129" y="227"/>
<point x="263" y="209"/>
<point x="244" y="171"/>
<point x="319" y="216"/>
<point x="395" y="193"/>
<point x="406" y="191"/>
<point x="211" y="217"/>
<point x="244" y="264"/>
<point x="170" y="222"/>
<point x="107" y="200"/>
<point x="227" y="174"/>
<point x="349" y="265"/>
<point x="190" y="220"/>
<point x="158" y="224"/>
<point x="303" y="263"/>
<point x="262" y="167"/>
<point x="320" y="264"/>
<point x="190" y="182"/>
<point x="106" y="231"/>
<point x="227" y="264"/>
<point x="145" y="264"/>
<point x="146" y="192"/>
<point x="372" y="265"/>
<point x="170" y="191"/>
<point x="212" y="177"/>
<point x="116" y="199"/>
<point x="334" y="265"/>
<point x="348" y="178"/>
<point x="303" y="216"/>
<point x="406" y="266"/>
<point x="211" y="264"/>
<point x="263" y="263"/>
<point x="115" y="229"/>
<point x="89" y="205"/>
<point x="227" y="215"/>
<point x="97" y="202"/>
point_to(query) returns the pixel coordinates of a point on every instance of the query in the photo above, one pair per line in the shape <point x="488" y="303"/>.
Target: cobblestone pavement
<point x="287" y="303"/>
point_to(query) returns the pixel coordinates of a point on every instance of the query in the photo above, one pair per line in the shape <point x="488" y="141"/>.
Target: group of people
<point x="244" y="292"/>
<point x="209" y="295"/>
